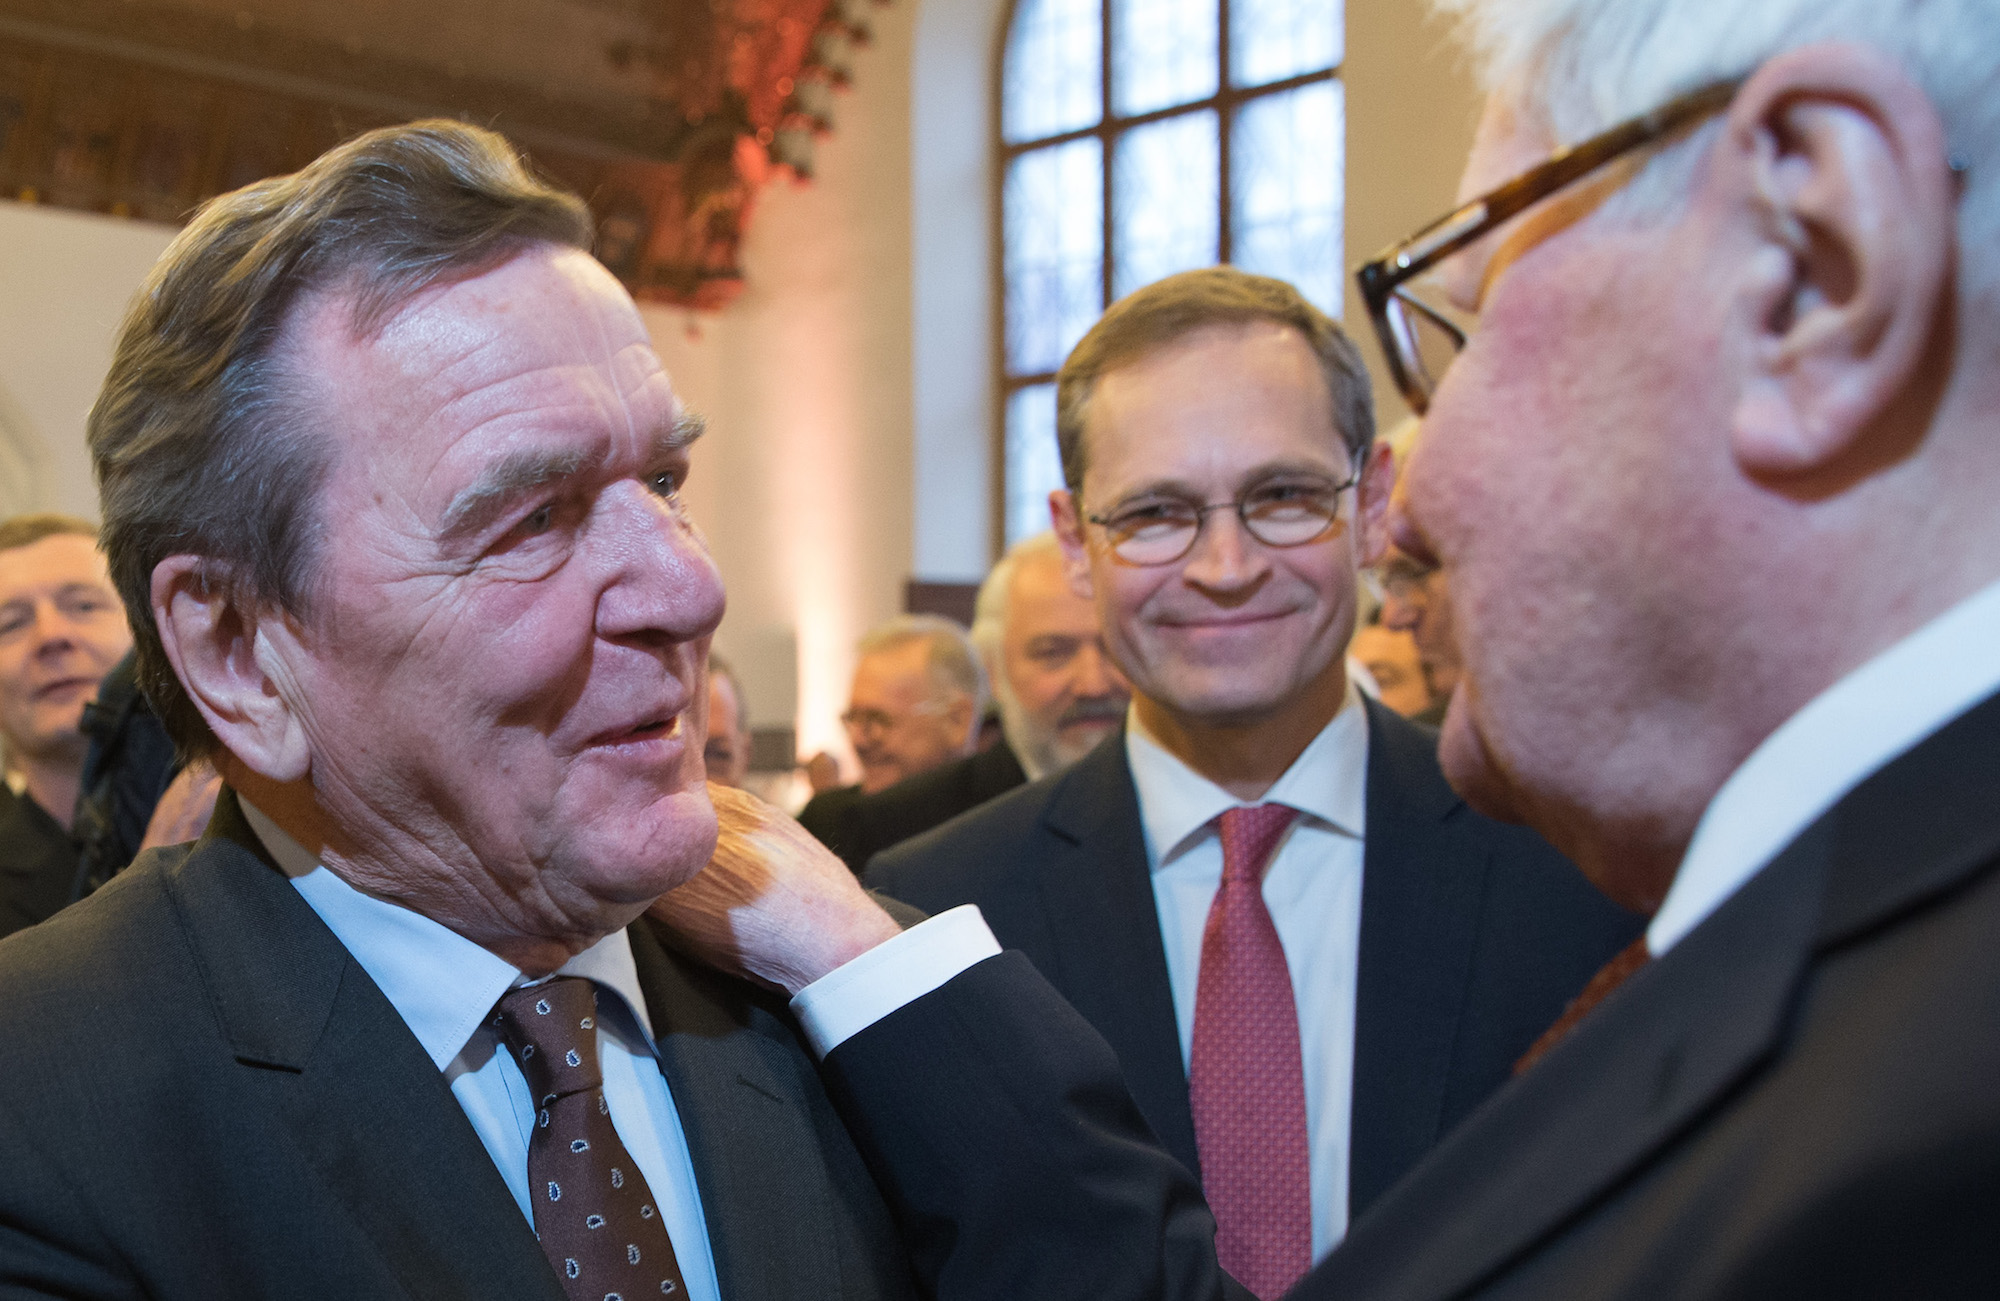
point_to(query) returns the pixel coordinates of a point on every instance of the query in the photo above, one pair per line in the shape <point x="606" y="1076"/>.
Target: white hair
<point x="989" y="613"/>
<point x="1585" y="65"/>
<point x="953" y="663"/>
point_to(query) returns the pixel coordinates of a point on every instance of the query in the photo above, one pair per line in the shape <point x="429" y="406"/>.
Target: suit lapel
<point x="1112" y="965"/>
<point x="1421" y="887"/>
<point x="370" y="1112"/>
<point x="1627" y="1081"/>
<point x="746" y="1127"/>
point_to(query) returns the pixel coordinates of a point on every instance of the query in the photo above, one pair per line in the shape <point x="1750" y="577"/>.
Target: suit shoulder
<point x="968" y="856"/>
<point x="89" y="987"/>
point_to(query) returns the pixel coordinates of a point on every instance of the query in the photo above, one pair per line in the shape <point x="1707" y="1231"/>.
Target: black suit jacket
<point x="202" y="1095"/>
<point x="1474" y="936"/>
<point x="1797" y="1100"/>
<point x="859" y="827"/>
<point x="37" y="863"/>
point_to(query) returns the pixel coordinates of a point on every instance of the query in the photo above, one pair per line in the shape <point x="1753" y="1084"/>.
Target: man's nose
<point x="1225" y="557"/>
<point x="661" y="581"/>
<point x="1093" y="673"/>
<point x="51" y="631"/>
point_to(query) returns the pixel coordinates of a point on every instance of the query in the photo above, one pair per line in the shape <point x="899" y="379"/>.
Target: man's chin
<point x="1470" y="766"/>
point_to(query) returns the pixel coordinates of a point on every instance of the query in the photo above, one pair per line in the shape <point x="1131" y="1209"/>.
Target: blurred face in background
<point x="1391" y="659"/>
<point x="900" y="720"/>
<point x="727" y="750"/>
<point x="61" y="630"/>
<point x="1417" y="600"/>
<point x="1058" y="691"/>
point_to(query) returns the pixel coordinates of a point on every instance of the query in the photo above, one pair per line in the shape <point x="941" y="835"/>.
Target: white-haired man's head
<point x="1057" y="689"/>
<point x="1583" y="65"/>
<point x="1724" y="395"/>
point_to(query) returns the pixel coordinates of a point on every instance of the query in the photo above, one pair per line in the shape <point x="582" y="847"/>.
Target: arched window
<point x="1143" y="137"/>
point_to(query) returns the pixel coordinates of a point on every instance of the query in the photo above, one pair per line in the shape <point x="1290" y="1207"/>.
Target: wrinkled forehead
<point x="545" y="353"/>
<point x="58" y="560"/>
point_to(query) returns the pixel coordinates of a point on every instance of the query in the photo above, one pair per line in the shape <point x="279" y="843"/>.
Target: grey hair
<point x="989" y="613"/>
<point x="200" y="444"/>
<point x="1583" y="65"/>
<point x="953" y="663"/>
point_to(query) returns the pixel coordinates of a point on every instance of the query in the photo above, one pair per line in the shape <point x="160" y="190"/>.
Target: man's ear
<point x="1067" y="520"/>
<point x="227" y="662"/>
<point x="1840" y="162"/>
<point x="1371" y="505"/>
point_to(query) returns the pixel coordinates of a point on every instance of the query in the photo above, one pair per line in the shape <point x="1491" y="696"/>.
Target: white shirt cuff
<point x="850" y="998"/>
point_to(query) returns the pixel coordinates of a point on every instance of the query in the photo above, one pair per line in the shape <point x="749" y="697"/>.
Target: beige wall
<point x="803" y="482"/>
<point x="64" y="281"/>
<point x="1410" y="112"/>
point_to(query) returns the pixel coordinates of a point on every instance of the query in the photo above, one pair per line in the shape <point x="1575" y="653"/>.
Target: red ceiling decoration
<point x="668" y="115"/>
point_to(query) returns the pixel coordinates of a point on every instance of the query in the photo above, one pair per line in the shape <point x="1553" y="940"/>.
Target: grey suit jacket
<point x="202" y="1095"/>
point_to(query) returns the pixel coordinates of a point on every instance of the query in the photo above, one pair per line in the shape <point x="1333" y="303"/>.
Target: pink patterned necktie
<point x="1246" y="1083"/>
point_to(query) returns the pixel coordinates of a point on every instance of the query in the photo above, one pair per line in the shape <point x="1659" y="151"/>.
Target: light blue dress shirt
<point x="444" y="986"/>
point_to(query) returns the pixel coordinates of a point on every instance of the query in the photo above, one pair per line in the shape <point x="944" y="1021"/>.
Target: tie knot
<point x="1249" y="834"/>
<point x="552" y="1028"/>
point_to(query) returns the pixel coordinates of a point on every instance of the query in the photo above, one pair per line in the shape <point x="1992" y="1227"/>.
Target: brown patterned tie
<point x="1609" y="977"/>
<point x="593" y="1211"/>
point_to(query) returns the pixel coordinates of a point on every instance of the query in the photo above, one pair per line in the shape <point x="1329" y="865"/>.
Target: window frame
<point x="1226" y="102"/>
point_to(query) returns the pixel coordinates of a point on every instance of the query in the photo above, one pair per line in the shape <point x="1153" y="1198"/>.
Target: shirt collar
<point x="1327" y="782"/>
<point x="443" y="985"/>
<point x="1816" y="756"/>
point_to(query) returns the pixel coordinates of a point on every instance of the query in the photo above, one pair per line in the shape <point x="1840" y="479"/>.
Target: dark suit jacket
<point x="1474" y="936"/>
<point x="37" y="863"/>
<point x="858" y="827"/>
<point x="202" y="1095"/>
<point x="1798" y="1100"/>
<point x="916" y="804"/>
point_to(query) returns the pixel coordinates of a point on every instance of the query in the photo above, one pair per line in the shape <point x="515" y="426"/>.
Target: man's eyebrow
<point x="478" y="503"/>
<point x="679" y="436"/>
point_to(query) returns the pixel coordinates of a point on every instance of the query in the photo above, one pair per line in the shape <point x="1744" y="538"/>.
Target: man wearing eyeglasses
<point x="1310" y="957"/>
<point x="1736" y="376"/>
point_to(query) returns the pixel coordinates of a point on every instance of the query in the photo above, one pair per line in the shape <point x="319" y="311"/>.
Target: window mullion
<point x="1225" y="112"/>
<point x="1109" y="141"/>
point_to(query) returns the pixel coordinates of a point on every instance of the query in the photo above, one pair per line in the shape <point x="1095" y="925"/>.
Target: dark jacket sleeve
<point x="997" y="1121"/>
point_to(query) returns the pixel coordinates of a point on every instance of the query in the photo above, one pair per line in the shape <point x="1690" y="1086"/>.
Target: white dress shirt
<point x="1312" y="887"/>
<point x="1819" y="754"/>
<point x="444" y="987"/>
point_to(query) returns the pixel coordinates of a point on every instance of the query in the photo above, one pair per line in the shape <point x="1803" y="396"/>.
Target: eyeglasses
<point x="1420" y="340"/>
<point x="1161" y="530"/>
<point x="874" y="722"/>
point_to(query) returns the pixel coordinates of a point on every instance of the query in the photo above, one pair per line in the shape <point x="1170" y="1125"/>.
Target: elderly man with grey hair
<point x="915" y="704"/>
<point x="391" y="485"/>
<point x="1057" y="690"/>
<point x="1726" y="432"/>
